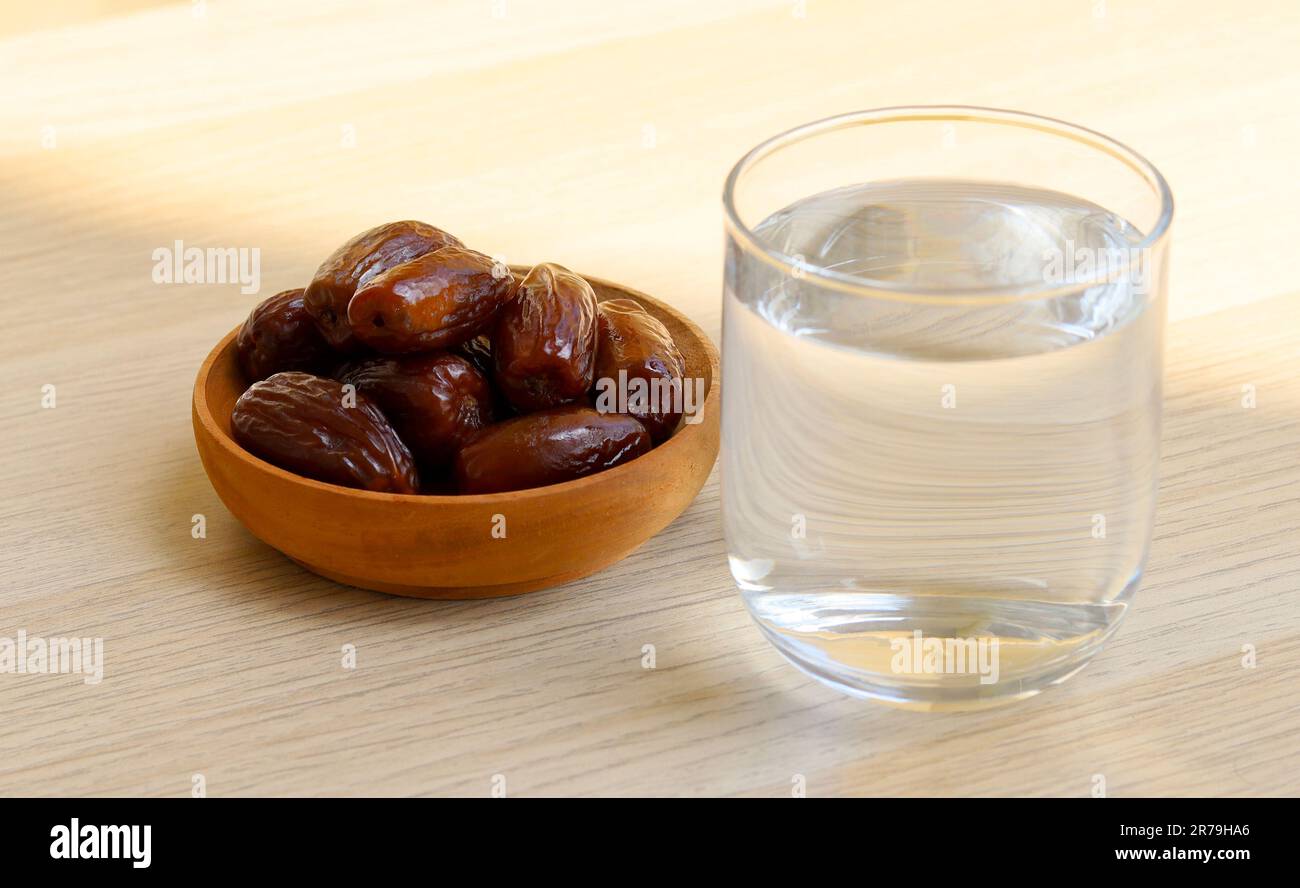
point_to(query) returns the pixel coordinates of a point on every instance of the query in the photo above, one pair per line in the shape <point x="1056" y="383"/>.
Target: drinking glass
<point x="942" y="345"/>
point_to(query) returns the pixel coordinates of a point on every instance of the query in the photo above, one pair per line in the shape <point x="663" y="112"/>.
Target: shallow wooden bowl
<point x="443" y="546"/>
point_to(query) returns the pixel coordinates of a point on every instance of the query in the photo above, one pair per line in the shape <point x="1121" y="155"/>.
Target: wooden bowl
<point x="443" y="546"/>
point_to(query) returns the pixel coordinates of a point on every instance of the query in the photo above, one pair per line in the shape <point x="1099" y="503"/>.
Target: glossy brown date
<point x="548" y="447"/>
<point x="357" y="262"/>
<point x="544" y="347"/>
<point x="631" y="340"/>
<point x="436" y="402"/>
<point x="303" y="423"/>
<point x="280" y="335"/>
<point x="435" y="301"/>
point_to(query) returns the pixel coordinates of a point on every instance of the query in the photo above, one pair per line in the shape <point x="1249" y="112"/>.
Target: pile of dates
<point x="413" y="364"/>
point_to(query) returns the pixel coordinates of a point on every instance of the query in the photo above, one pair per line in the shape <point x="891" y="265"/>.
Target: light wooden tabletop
<point x="596" y="134"/>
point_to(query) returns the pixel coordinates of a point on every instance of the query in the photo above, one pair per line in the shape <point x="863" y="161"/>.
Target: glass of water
<point x="942" y="345"/>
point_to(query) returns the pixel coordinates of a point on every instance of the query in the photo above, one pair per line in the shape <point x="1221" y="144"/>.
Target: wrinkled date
<point x="544" y="350"/>
<point x="280" y="335"/>
<point x="302" y="423"/>
<point x="358" y="261"/>
<point x="435" y="301"/>
<point x="632" y="340"/>
<point x="436" y="403"/>
<point x="543" y="448"/>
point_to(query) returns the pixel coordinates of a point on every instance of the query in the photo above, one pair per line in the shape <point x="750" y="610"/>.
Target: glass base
<point x="936" y="652"/>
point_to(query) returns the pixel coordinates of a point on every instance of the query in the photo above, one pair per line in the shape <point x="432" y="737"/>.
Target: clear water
<point x="965" y="470"/>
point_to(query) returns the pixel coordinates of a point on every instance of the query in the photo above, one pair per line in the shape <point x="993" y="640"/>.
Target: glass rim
<point x="878" y="288"/>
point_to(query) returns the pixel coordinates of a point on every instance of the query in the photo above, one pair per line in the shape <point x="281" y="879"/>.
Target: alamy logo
<point x="179" y="264"/>
<point x="658" y="395"/>
<point x="1074" y="263"/>
<point x="89" y="842"/>
<point x="34" y="655"/>
<point x="919" y="655"/>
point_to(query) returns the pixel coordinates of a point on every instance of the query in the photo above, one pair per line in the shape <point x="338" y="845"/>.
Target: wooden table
<point x="596" y="134"/>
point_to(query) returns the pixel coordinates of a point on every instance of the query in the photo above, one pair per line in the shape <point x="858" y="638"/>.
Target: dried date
<point x="638" y="363"/>
<point x="436" y="402"/>
<point x="436" y="301"/>
<point x="280" y="335"/>
<point x="548" y="447"/>
<point x="358" y="261"/>
<point x="544" y="347"/>
<point x="312" y="427"/>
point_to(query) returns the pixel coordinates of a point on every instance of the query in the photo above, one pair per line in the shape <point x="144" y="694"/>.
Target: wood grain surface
<point x="595" y="134"/>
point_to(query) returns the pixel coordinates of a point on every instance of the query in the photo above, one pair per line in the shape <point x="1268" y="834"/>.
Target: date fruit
<point x="280" y="335"/>
<point x="303" y="423"/>
<point x="544" y="349"/>
<point x="357" y="262"/>
<point x="635" y="342"/>
<point x="435" y="301"/>
<point x="548" y="447"/>
<point x="436" y="402"/>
